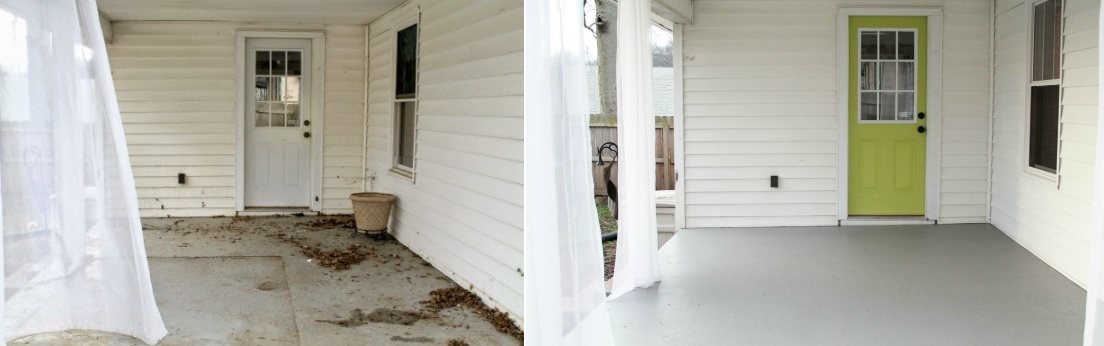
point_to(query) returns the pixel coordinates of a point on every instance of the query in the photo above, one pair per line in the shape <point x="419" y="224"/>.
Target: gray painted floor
<point x="863" y="285"/>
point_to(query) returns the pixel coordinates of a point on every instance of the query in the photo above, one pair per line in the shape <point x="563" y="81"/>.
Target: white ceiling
<point x="257" y="11"/>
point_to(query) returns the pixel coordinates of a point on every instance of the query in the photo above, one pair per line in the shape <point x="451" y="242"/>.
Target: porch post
<point x="637" y="254"/>
<point x="1094" y="325"/>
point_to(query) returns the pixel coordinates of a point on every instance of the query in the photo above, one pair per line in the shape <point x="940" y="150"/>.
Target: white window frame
<point x="1032" y="172"/>
<point x="411" y="18"/>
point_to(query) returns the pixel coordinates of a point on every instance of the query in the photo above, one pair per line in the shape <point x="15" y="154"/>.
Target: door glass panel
<point x="906" y="45"/>
<point x="906" y="104"/>
<point x="869" y="45"/>
<point x="887" y="45"/>
<point x="886" y="103"/>
<point x="906" y="71"/>
<point x="278" y="88"/>
<point x="868" y="106"/>
<point x="868" y="75"/>
<point x="887" y="77"/>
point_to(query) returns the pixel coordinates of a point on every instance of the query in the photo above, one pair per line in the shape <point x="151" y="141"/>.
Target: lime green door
<point x="886" y="126"/>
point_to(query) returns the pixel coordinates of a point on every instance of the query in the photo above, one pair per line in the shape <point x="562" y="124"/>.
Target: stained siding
<point x="463" y="213"/>
<point x="760" y="100"/>
<point x="176" y="83"/>
<point x="1052" y="220"/>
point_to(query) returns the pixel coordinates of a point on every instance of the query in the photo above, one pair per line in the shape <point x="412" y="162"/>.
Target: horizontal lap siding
<point x="176" y="83"/>
<point x="760" y="100"/>
<point x="1052" y="222"/>
<point x="464" y="211"/>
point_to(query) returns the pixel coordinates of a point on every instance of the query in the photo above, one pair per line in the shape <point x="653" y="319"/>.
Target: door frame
<point x="318" y="97"/>
<point x="933" y="106"/>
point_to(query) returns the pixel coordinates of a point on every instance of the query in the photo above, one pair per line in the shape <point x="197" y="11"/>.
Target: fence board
<point x="602" y="132"/>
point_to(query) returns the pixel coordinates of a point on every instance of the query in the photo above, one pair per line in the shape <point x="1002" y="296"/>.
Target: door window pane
<point x="886" y="106"/>
<point x="261" y="114"/>
<point x="887" y="45"/>
<point x="887" y="76"/>
<point x="278" y="115"/>
<point x="868" y="106"/>
<point x="906" y="45"/>
<point x="868" y="45"/>
<point x="868" y="75"/>
<point x="906" y="105"/>
<point x="906" y="73"/>
<point x="264" y="62"/>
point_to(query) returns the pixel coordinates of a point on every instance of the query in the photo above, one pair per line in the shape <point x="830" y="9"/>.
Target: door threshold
<point x="885" y="221"/>
<point x="276" y="211"/>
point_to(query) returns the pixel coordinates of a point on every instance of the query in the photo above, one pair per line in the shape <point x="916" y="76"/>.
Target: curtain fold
<point x="564" y="290"/>
<point x="73" y="253"/>
<point x="637" y="248"/>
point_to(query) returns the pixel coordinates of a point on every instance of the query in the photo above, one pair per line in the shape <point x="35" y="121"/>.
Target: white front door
<point x="277" y="123"/>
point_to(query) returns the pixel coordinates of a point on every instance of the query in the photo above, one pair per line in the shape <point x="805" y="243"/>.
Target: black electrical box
<point x="774" y="181"/>
<point x="180" y="178"/>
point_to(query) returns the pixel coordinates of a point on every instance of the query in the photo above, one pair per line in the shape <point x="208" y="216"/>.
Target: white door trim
<point x="318" y="97"/>
<point x="933" y="106"/>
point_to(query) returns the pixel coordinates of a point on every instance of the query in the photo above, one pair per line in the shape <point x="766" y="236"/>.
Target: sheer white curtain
<point x="73" y="253"/>
<point x="564" y="291"/>
<point x="1094" y="324"/>
<point x="637" y="250"/>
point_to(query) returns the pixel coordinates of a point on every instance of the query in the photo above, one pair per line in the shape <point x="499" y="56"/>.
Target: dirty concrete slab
<point x="389" y="279"/>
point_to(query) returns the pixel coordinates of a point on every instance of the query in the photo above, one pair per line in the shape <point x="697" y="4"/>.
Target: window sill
<point x="406" y="175"/>
<point x="1041" y="176"/>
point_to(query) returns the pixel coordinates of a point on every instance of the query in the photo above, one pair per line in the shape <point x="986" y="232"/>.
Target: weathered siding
<point x="1051" y="220"/>
<point x="176" y="83"/>
<point x="760" y="100"/>
<point x="463" y="213"/>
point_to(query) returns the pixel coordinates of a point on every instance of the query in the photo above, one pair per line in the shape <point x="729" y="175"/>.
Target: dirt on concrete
<point x="452" y="297"/>
<point x="390" y="316"/>
<point x="457" y="342"/>
<point x="417" y="339"/>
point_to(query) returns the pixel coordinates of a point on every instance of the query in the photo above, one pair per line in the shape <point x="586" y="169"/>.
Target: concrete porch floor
<point x="240" y="281"/>
<point x="860" y="285"/>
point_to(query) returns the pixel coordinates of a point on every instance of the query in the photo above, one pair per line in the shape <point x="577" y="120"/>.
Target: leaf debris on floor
<point x="455" y="296"/>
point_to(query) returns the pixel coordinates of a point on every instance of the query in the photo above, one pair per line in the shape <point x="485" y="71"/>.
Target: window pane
<point x="868" y="106"/>
<point x="295" y="63"/>
<point x="278" y="115"/>
<point x="906" y="45"/>
<point x="279" y="63"/>
<point x="906" y="75"/>
<point x="264" y="63"/>
<point x="290" y="88"/>
<point x="1055" y="57"/>
<point x="406" y="126"/>
<point x="887" y="77"/>
<point x="1048" y="40"/>
<point x="869" y="45"/>
<point x="906" y="107"/>
<point x="406" y="69"/>
<point x="867" y="75"/>
<point x="292" y="115"/>
<point x="262" y="93"/>
<point x="887" y="45"/>
<point x="1043" y="147"/>
<point x="1038" y="39"/>
<point x="886" y="103"/>
<point x="261" y="116"/>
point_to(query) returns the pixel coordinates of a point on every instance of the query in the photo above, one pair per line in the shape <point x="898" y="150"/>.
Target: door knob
<point x="307" y="122"/>
<point x="921" y="129"/>
<point x="307" y="134"/>
<point x="918" y="115"/>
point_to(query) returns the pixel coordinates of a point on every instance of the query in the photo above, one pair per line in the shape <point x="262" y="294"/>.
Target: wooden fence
<point x="606" y="131"/>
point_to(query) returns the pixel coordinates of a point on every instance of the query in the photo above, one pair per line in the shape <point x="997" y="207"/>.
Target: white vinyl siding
<point x="463" y="213"/>
<point x="760" y="100"/>
<point x="176" y="83"/>
<point x="1051" y="220"/>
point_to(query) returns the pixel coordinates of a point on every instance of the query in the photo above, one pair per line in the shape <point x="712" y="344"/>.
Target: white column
<point x="1094" y="325"/>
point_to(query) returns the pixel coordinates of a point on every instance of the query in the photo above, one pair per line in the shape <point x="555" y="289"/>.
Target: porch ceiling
<point x="257" y="11"/>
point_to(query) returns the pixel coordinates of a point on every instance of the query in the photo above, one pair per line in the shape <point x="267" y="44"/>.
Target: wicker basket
<point x="372" y="210"/>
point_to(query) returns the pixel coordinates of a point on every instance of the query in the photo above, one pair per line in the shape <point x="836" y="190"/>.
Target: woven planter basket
<point x="372" y="210"/>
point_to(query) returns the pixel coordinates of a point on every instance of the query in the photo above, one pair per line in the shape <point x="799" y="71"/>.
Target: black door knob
<point x="307" y="134"/>
<point x="307" y="122"/>
<point x="921" y="129"/>
<point x="918" y="115"/>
